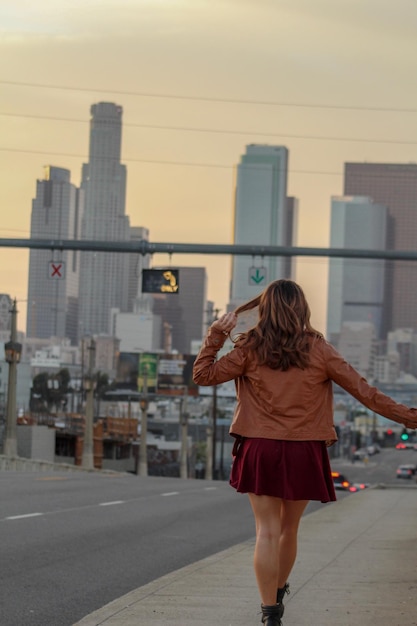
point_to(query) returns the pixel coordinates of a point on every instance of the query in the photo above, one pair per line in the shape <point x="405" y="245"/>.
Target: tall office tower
<point x="260" y="218"/>
<point x="356" y="286"/>
<point x="104" y="278"/>
<point x="395" y="186"/>
<point x="52" y="309"/>
<point x="184" y="313"/>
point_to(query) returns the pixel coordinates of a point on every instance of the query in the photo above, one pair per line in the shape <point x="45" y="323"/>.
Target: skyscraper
<point x="260" y="218"/>
<point x="53" y="276"/>
<point x="356" y="286"/>
<point x="104" y="276"/>
<point x="395" y="186"/>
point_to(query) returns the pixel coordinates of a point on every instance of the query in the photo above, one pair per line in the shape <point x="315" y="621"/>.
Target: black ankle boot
<point x="280" y="595"/>
<point x="271" y="615"/>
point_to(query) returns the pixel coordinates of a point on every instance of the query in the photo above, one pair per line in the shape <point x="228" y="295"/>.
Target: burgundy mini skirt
<point x="292" y="470"/>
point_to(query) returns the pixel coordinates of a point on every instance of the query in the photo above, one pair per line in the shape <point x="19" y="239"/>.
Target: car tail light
<point x="353" y="488"/>
<point x="345" y="484"/>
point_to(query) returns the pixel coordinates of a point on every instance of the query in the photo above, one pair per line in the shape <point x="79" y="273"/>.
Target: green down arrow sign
<point x="257" y="275"/>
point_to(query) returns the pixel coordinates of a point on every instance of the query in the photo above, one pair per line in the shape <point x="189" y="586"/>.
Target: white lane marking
<point x="24" y="516"/>
<point x="114" y="502"/>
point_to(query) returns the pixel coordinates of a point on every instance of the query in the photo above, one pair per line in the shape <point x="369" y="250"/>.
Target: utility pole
<point x="88" y="447"/>
<point x="212" y="474"/>
<point x="214" y="427"/>
<point x="13" y="350"/>
<point x="143" y="451"/>
<point x="184" y="434"/>
<point x="209" y="456"/>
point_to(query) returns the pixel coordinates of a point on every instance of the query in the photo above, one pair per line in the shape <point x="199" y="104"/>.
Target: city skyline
<point x="286" y="75"/>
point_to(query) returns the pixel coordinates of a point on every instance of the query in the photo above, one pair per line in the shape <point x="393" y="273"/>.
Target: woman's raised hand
<point x="225" y="323"/>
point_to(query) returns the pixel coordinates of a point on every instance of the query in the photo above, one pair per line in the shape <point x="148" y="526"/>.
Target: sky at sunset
<point x="198" y="80"/>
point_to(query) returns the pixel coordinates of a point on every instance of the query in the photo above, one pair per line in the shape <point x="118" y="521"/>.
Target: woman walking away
<point x="283" y="370"/>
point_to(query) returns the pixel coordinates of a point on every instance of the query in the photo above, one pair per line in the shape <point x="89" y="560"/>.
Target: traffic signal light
<point x="404" y="435"/>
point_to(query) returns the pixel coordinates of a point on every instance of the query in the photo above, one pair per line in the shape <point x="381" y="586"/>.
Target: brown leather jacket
<point x="295" y="405"/>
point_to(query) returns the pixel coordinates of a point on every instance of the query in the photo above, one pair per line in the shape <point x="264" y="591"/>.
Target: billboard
<point x="147" y="377"/>
<point x="162" y="374"/>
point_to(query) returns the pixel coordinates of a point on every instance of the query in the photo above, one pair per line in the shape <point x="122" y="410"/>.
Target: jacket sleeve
<point x="208" y="371"/>
<point x="342" y="373"/>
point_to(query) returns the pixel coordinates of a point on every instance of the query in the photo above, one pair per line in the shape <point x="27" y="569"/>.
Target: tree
<point x="49" y="392"/>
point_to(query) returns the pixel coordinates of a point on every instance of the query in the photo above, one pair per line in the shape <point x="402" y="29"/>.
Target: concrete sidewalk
<point x="356" y="566"/>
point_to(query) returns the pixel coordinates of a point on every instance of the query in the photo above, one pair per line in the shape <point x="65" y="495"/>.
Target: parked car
<point x="406" y="471"/>
<point x="374" y="448"/>
<point x="360" y="454"/>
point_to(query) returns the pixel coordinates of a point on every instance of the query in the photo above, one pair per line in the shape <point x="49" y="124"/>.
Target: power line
<point x="144" y="94"/>
<point x="218" y="131"/>
<point x="159" y="162"/>
<point x="194" y="164"/>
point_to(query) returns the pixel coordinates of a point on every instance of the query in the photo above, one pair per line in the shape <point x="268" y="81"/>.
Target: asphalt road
<point x="72" y="542"/>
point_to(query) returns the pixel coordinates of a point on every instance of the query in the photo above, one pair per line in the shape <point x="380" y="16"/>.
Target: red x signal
<point x="56" y="270"/>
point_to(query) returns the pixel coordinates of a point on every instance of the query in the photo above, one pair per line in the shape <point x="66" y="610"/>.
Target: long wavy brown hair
<point x="281" y="338"/>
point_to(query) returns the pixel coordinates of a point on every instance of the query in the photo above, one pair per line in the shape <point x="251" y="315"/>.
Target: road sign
<point x="160" y="281"/>
<point x="56" y="270"/>
<point x="257" y="276"/>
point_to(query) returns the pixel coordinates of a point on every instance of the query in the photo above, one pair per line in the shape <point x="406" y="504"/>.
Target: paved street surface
<point x="356" y="566"/>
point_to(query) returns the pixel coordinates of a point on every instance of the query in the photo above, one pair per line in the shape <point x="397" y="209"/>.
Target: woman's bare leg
<point x="277" y="524"/>
<point x="267" y="512"/>
<point x="291" y="512"/>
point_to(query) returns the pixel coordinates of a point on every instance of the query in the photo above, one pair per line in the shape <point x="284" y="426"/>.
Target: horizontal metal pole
<point x="146" y="247"/>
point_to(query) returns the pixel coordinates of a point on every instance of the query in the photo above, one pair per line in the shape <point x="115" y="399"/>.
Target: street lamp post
<point x="214" y="434"/>
<point x="88" y="446"/>
<point x="209" y="453"/>
<point x="143" y="451"/>
<point x="13" y="350"/>
<point x="184" y="436"/>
